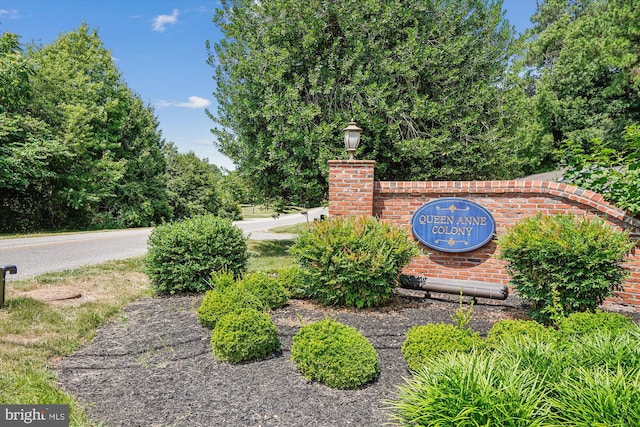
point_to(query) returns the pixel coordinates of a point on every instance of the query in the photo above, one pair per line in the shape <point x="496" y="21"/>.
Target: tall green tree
<point x="584" y="54"/>
<point x="424" y="79"/>
<point x="80" y="93"/>
<point x="140" y="198"/>
<point x="191" y="185"/>
<point x="79" y="148"/>
<point x="31" y="155"/>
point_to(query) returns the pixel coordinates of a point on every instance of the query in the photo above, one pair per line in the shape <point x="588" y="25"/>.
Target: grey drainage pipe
<point x="466" y="287"/>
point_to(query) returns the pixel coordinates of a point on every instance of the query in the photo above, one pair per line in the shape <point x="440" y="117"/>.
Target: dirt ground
<point x="153" y="366"/>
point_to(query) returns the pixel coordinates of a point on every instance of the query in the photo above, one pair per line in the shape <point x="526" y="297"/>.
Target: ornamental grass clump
<point x="424" y="342"/>
<point x="585" y="375"/>
<point x="353" y="261"/>
<point x="564" y="264"/>
<point x="604" y="349"/>
<point x="243" y="335"/>
<point x="596" y="396"/>
<point x="183" y="255"/>
<point x="334" y="354"/>
<point x="470" y="389"/>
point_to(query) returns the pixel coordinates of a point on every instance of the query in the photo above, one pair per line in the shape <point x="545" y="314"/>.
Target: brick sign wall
<point x="353" y="191"/>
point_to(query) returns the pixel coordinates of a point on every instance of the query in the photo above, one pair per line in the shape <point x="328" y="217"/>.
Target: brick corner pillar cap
<point x="351" y="187"/>
<point x="352" y="162"/>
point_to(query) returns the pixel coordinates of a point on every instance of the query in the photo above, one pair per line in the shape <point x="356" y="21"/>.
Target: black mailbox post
<point x="11" y="269"/>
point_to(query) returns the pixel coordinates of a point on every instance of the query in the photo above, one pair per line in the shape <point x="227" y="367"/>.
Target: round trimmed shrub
<point x="576" y="325"/>
<point x="182" y="255"/>
<point x="353" y="261"/>
<point x="334" y="354"/>
<point x="424" y="342"/>
<point x="509" y="329"/>
<point x="218" y="302"/>
<point x="244" y="335"/>
<point x="265" y="287"/>
<point x="564" y="264"/>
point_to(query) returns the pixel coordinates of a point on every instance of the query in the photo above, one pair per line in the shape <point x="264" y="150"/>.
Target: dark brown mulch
<point x="154" y="366"/>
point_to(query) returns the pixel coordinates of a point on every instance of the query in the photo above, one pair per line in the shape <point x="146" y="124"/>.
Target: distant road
<point x="37" y="255"/>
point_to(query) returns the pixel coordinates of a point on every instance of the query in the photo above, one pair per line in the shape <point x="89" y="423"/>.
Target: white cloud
<point x="11" y="14"/>
<point x="161" y="21"/>
<point x="162" y="103"/>
<point x="194" y="102"/>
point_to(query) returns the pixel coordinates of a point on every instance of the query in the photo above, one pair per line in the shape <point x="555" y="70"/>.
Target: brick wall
<point x="352" y="191"/>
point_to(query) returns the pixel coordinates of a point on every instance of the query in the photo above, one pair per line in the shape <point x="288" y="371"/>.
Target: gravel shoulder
<point x="153" y="366"/>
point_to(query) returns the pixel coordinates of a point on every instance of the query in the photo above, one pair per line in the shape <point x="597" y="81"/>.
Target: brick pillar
<point x="351" y="187"/>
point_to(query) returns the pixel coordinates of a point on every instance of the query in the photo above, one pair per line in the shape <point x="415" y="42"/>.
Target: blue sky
<point x="159" y="47"/>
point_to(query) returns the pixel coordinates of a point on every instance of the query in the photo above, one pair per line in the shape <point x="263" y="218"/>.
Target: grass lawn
<point x="35" y="334"/>
<point x="261" y="211"/>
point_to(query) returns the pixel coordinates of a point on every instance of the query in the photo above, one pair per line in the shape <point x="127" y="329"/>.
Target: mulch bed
<point x="154" y="366"/>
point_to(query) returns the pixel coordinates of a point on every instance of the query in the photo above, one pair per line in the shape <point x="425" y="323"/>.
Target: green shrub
<point x="612" y="173"/>
<point x="576" y="325"/>
<point x="243" y="335"/>
<point x="474" y="389"/>
<point x="182" y="255"/>
<point x="293" y="280"/>
<point x="564" y="264"/>
<point x="218" y="302"/>
<point x="529" y="381"/>
<point x="353" y="261"/>
<point x="222" y="279"/>
<point x="265" y="287"/>
<point x="508" y="329"/>
<point x="423" y="342"/>
<point x="334" y="354"/>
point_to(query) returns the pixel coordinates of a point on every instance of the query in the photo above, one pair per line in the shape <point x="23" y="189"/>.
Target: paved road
<point x="37" y="255"/>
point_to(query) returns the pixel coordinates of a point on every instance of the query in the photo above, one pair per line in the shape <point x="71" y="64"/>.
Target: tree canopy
<point x="584" y="54"/>
<point x="78" y="148"/>
<point x="426" y="80"/>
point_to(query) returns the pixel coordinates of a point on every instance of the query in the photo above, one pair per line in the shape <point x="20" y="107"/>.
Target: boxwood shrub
<point x="423" y="342"/>
<point x="353" y="261"/>
<point x="265" y="287"/>
<point x="293" y="280"/>
<point x="243" y="335"/>
<point x="510" y="329"/>
<point x="334" y="354"/>
<point x="576" y="325"/>
<point x="219" y="302"/>
<point x="182" y="255"/>
<point x="564" y="264"/>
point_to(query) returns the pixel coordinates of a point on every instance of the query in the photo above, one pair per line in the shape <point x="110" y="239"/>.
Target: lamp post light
<point x="351" y="138"/>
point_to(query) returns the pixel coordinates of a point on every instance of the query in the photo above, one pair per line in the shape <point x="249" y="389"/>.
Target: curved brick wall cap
<point x="557" y="189"/>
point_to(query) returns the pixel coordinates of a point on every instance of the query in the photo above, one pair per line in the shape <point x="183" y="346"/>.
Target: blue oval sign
<point x="453" y="225"/>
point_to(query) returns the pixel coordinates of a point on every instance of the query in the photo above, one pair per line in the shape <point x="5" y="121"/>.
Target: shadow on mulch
<point x="154" y="366"/>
